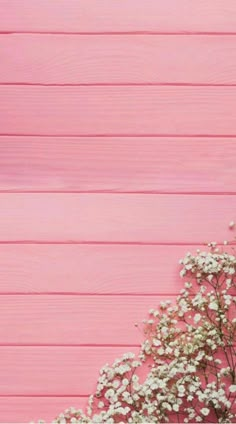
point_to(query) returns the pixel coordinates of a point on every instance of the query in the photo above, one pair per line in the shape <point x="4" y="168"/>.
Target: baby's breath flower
<point x="205" y="411"/>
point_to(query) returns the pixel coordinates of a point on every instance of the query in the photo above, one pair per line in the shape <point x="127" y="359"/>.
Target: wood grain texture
<point x="81" y="59"/>
<point x="123" y="16"/>
<point x="94" y="269"/>
<point x="117" y="164"/>
<point x="117" y="110"/>
<point x="37" y="371"/>
<point x="114" y="218"/>
<point x="74" y="320"/>
<point x="28" y="409"/>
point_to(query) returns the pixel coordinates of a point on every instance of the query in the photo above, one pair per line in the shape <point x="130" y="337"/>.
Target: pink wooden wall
<point x="117" y="155"/>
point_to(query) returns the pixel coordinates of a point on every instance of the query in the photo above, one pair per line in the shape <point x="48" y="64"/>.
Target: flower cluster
<point x="186" y="369"/>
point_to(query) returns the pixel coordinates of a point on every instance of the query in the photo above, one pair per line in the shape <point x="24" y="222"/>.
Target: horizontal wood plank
<point x="33" y="110"/>
<point x="54" y="371"/>
<point x="117" y="164"/>
<point x="68" y="371"/>
<point x="94" y="269"/>
<point x="74" y="320"/>
<point x="28" y="409"/>
<point x="59" y="59"/>
<point x="123" y="16"/>
<point x="137" y="218"/>
<point x="61" y="371"/>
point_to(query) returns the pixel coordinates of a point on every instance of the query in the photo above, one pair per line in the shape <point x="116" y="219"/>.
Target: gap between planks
<point x="69" y="345"/>
<point x="125" y="135"/>
<point x="72" y="293"/>
<point x="114" y="135"/>
<point x="129" y="243"/>
<point x="117" y="192"/>
<point x="118" y="84"/>
<point x="120" y="33"/>
<point x="43" y="396"/>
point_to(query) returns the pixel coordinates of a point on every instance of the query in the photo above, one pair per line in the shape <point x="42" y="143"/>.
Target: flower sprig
<point x="185" y="371"/>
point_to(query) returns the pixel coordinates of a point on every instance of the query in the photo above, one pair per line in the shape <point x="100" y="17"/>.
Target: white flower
<point x="176" y="352"/>
<point x="156" y="342"/>
<point x="109" y="394"/>
<point x="129" y="355"/>
<point x="191" y="368"/>
<point x="101" y="404"/>
<point x="116" y="384"/>
<point x="166" y="405"/>
<point x="197" y="318"/>
<point x="232" y="388"/>
<point x="210" y="277"/>
<point x="161" y="351"/>
<point x="205" y="411"/>
<point x="231" y="224"/>
<point x="214" y="306"/>
<point x="181" y="388"/>
<point x="162" y="384"/>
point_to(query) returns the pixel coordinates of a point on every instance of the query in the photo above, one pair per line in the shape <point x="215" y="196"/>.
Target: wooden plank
<point x="48" y="369"/>
<point x="91" y="269"/>
<point x="28" y="409"/>
<point x="117" y="164"/>
<point x="123" y="16"/>
<point x="74" y="320"/>
<point x="137" y="218"/>
<point x="59" y="59"/>
<point x="117" y="110"/>
<point x="53" y="371"/>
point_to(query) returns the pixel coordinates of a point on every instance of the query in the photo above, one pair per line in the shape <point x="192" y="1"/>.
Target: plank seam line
<point x="126" y="135"/>
<point x="30" y="395"/>
<point x="117" y="192"/>
<point x="87" y="294"/>
<point x="69" y="345"/>
<point x="101" y="243"/>
<point x="122" y="33"/>
<point x="117" y="84"/>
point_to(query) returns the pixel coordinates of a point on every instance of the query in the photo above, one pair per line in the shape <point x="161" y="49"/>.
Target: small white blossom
<point x="205" y="411"/>
<point x="214" y="306"/>
<point x="197" y="317"/>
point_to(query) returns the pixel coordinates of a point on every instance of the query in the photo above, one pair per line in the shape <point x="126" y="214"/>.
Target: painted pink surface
<point x="53" y="370"/>
<point x="117" y="164"/>
<point x="123" y="110"/>
<point x="50" y="319"/>
<point x="123" y="16"/>
<point x="114" y="218"/>
<point x="129" y="59"/>
<point x="117" y="269"/>
<point x="29" y="408"/>
<point x="117" y="155"/>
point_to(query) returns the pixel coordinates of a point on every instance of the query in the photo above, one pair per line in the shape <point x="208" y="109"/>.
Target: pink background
<point x="117" y="155"/>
